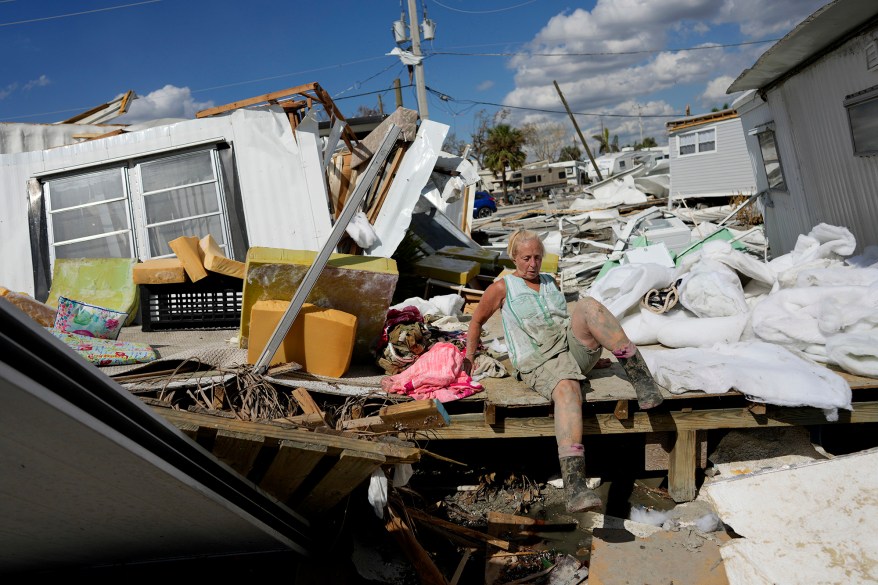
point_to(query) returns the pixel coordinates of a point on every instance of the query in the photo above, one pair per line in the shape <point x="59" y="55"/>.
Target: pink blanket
<point x="437" y="373"/>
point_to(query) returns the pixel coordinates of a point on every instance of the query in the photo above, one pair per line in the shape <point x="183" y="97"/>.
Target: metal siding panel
<point x="727" y="171"/>
<point x="827" y="182"/>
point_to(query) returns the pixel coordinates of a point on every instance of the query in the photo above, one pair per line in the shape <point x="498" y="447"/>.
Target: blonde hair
<point x="521" y="236"/>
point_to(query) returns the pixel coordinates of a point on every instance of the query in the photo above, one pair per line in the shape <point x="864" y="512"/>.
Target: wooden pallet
<point x="310" y="471"/>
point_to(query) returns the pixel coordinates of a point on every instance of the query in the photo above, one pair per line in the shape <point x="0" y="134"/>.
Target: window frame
<point x="767" y="130"/>
<point x="134" y="198"/>
<point x="49" y="211"/>
<point x="698" y="142"/>
<point x="855" y="103"/>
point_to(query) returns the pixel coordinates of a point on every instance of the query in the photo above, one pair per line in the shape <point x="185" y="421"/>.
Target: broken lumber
<point x="466" y="533"/>
<point x="414" y="415"/>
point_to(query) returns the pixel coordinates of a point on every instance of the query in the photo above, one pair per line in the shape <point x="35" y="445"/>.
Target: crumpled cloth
<point x="438" y="373"/>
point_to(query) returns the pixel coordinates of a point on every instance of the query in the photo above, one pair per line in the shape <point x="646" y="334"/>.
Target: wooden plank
<point x="658" y="447"/>
<point x="525" y="522"/>
<point x="309" y="421"/>
<point x="393" y="453"/>
<point x="621" y="411"/>
<point x="306" y="401"/>
<point x="472" y="426"/>
<point x="467" y="553"/>
<point x="260" y="99"/>
<point x="352" y="469"/>
<point x="238" y="450"/>
<point x="467" y="533"/>
<point x="413" y="415"/>
<point x="385" y="185"/>
<point x="681" y="468"/>
<point x="289" y="468"/>
<point x="427" y="570"/>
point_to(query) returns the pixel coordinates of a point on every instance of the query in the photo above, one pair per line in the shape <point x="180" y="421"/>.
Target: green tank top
<point x="535" y="324"/>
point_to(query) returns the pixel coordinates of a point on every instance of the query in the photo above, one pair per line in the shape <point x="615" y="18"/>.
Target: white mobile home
<point x="708" y="157"/>
<point x="811" y="120"/>
<point x="246" y="177"/>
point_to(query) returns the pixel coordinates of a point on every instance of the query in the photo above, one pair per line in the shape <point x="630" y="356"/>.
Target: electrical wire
<point x="44" y="18"/>
<point x="484" y="11"/>
<point x="601" y="53"/>
<point x="446" y="98"/>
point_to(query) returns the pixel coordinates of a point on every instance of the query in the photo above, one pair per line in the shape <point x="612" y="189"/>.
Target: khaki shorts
<point x="572" y="364"/>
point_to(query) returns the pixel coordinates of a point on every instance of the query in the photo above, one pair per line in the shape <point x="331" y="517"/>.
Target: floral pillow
<point x="88" y="320"/>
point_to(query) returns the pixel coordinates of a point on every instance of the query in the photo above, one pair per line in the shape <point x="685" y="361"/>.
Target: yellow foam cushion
<point x="187" y="250"/>
<point x="159" y="271"/>
<point x="320" y="340"/>
<point x="216" y="261"/>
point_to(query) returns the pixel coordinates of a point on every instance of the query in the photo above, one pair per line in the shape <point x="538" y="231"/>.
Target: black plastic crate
<point x="214" y="302"/>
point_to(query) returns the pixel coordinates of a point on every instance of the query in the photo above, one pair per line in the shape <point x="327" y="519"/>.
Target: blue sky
<point x="629" y="65"/>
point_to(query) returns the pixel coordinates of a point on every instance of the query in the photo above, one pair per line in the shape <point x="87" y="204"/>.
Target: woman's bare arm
<point x="491" y="300"/>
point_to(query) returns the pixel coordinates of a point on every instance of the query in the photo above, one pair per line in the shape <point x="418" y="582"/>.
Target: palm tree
<point x="570" y="153"/>
<point x="502" y="150"/>
<point x="604" y="144"/>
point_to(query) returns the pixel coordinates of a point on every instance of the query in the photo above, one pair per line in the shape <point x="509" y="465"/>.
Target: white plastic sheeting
<point x="807" y="306"/>
<point x="414" y="171"/>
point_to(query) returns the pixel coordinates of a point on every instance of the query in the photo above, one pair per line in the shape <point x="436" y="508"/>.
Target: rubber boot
<point x="579" y="497"/>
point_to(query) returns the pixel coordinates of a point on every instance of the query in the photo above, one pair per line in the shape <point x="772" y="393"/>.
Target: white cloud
<point x="485" y="85"/>
<point x="610" y="64"/>
<point x="715" y="92"/>
<point x="7" y="91"/>
<point x="167" y="102"/>
<point x="40" y="81"/>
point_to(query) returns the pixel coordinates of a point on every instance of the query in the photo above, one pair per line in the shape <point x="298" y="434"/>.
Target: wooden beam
<point x="466" y="533"/>
<point x="681" y="468"/>
<point x="306" y="402"/>
<point x="289" y="468"/>
<point x="238" y="450"/>
<point x="393" y="453"/>
<point x="427" y="570"/>
<point x="352" y="469"/>
<point x="414" y="415"/>
<point x="472" y="426"/>
<point x="260" y="99"/>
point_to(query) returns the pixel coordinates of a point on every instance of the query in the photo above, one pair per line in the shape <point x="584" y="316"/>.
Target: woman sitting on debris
<point x="551" y="350"/>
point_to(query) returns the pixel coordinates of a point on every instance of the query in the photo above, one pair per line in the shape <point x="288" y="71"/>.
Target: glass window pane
<point x="707" y="140"/>
<point x="177" y="171"/>
<point x="686" y="143"/>
<point x="771" y="160"/>
<point x="864" y="126"/>
<point x="82" y="189"/>
<point x="159" y="236"/>
<point x="115" y="246"/>
<point x="181" y="203"/>
<point x="82" y="222"/>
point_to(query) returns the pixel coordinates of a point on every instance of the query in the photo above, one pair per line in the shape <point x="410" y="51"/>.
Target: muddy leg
<point x="595" y="326"/>
<point x="567" y="397"/>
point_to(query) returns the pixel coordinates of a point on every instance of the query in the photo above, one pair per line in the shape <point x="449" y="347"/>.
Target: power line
<point x="602" y="53"/>
<point x="445" y="97"/>
<point x="78" y="13"/>
<point x="484" y="11"/>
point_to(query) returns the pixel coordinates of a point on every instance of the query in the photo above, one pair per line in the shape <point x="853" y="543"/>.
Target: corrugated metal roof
<point x="829" y="24"/>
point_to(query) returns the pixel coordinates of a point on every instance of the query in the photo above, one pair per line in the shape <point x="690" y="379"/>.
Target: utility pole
<point x="640" y="121"/>
<point x="578" y="131"/>
<point x="419" y="68"/>
<point x="397" y="89"/>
